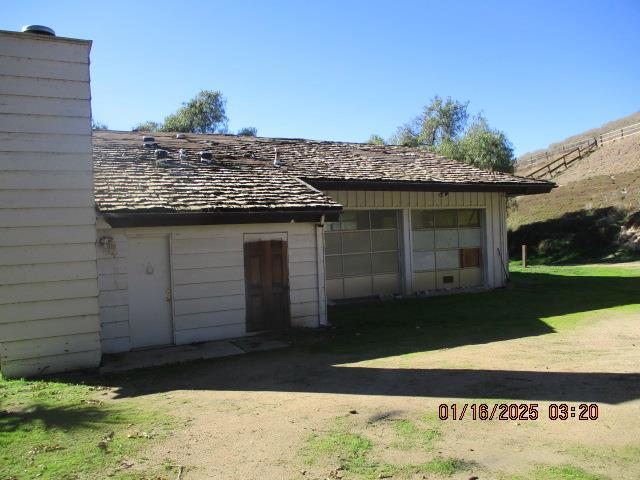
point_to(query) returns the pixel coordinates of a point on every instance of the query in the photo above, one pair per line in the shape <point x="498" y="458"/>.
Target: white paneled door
<point x="149" y="292"/>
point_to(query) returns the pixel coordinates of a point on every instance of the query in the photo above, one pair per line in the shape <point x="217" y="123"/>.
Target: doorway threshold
<point x="156" y="357"/>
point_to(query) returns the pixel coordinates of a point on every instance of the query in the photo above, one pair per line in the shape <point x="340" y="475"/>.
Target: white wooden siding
<point x="379" y="199"/>
<point x="208" y="288"/>
<point x="48" y="279"/>
<point x="492" y="203"/>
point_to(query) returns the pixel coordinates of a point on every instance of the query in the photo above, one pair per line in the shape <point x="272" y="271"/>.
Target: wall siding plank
<point x="29" y="217"/>
<point x="115" y="330"/>
<point x="39" y="68"/>
<point x="49" y="327"/>
<point x="209" y="304"/>
<point x="15" y="236"/>
<point x="43" y="254"/>
<point x="37" y="292"/>
<point x="45" y="162"/>
<point x="65" y="362"/>
<point x="206" y="260"/>
<point x="45" y="143"/>
<point x="202" y="275"/>
<point x="203" y="320"/>
<point x="114" y="314"/>
<point x="49" y="346"/>
<point x="61" y="107"/>
<point x="50" y="272"/>
<point x="210" y="333"/>
<point x="51" y="198"/>
<point x="115" y="345"/>
<point x="17" y="312"/>
<point x="12" y="122"/>
<point x="44" y="87"/>
<point x="44" y="180"/>
<point x="62" y="50"/>
<point x="210" y="289"/>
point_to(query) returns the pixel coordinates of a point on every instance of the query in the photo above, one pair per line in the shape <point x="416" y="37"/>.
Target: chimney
<point x="47" y="248"/>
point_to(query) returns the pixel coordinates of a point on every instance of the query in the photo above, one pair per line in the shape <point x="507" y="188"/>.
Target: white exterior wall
<point x="207" y="276"/>
<point x="48" y="281"/>
<point x="495" y="222"/>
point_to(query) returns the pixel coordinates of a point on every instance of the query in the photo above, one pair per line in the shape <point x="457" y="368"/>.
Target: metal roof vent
<point x="148" y="138"/>
<point x="180" y="135"/>
<point x="149" y="145"/>
<point x="160" y="153"/>
<point x="206" y="156"/>
<point x="39" y="30"/>
<point x="276" y="161"/>
<point x="182" y="155"/>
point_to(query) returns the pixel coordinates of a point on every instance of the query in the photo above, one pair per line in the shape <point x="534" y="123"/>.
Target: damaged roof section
<point x="239" y="173"/>
<point x="128" y="177"/>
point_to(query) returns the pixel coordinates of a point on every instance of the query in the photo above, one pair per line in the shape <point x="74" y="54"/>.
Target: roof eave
<point x="387" y="185"/>
<point x="166" y="219"/>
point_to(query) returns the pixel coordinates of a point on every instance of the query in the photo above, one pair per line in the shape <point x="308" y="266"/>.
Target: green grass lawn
<point x="65" y="430"/>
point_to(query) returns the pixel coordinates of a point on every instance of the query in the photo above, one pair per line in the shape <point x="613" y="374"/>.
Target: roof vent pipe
<point x="205" y="155"/>
<point x="276" y="161"/>
<point x="39" y="30"/>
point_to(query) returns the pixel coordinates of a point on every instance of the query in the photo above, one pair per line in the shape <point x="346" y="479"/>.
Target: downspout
<point x="322" y="297"/>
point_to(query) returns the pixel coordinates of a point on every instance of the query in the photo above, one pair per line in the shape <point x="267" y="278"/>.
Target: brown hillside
<point x="609" y="177"/>
<point x="523" y="160"/>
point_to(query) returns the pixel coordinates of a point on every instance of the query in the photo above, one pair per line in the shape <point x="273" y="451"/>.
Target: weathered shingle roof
<point x="242" y="176"/>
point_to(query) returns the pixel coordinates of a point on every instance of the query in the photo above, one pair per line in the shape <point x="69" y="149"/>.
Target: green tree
<point x="440" y="121"/>
<point x="248" y="132"/>
<point x="148" y="126"/>
<point x="205" y="113"/>
<point x="443" y="127"/>
<point x="376" y="140"/>
<point x="481" y="146"/>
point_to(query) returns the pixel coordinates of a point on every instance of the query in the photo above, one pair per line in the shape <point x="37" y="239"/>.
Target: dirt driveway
<point x="294" y="415"/>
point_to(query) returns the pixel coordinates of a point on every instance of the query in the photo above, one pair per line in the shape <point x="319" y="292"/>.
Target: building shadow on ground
<point x="323" y="362"/>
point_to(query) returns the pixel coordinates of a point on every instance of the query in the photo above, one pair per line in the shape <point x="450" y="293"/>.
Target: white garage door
<point x="362" y="254"/>
<point x="447" y="248"/>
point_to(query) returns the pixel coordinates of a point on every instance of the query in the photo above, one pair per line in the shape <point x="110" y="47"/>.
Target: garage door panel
<point x="424" y="281"/>
<point x="386" y="284"/>
<point x="362" y="254"/>
<point x="470" y="237"/>
<point x="471" y="277"/>
<point x="355" y="287"/>
<point x="448" y="279"/>
<point x="449" y="242"/>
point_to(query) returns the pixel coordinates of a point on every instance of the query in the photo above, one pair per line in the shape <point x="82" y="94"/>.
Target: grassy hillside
<point x="584" y="215"/>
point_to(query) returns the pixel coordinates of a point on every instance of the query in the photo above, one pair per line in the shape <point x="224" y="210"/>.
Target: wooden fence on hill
<point x="561" y="158"/>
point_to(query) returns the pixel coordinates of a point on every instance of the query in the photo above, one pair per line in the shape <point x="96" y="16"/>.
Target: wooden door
<point x="267" y="285"/>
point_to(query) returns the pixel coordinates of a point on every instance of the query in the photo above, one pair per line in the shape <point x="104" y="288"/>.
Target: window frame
<point x="371" y="252"/>
<point x="480" y="226"/>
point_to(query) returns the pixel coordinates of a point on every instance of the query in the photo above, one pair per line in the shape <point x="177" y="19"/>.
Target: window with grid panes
<point x="446" y="241"/>
<point x="363" y="243"/>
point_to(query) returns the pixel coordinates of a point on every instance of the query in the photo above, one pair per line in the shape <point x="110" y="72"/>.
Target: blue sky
<point x="342" y="70"/>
